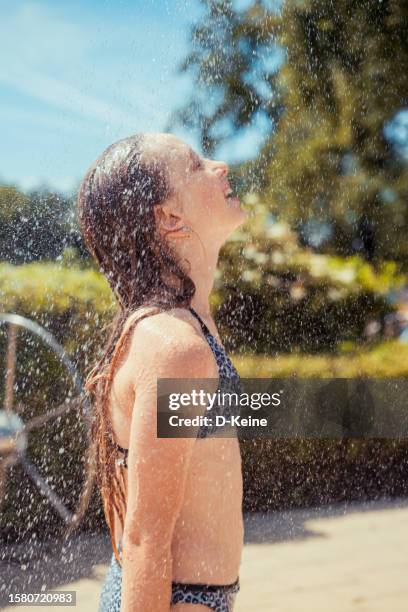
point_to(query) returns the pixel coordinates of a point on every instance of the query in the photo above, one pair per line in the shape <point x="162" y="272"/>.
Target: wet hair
<point x="116" y="218"/>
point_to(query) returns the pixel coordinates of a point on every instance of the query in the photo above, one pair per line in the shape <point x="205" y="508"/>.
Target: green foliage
<point x="44" y="286"/>
<point x="228" y="48"/>
<point x="280" y="474"/>
<point x="371" y="361"/>
<point x="332" y="161"/>
<point x="11" y="201"/>
<point x="329" y="160"/>
<point x="76" y="305"/>
<point x="35" y="226"/>
<point x="73" y="303"/>
<point x="274" y="295"/>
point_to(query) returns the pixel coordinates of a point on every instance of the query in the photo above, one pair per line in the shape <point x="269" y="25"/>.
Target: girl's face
<point x="201" y="190"/>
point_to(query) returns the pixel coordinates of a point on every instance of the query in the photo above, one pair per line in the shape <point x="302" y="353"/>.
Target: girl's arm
<point x="157" y="470"/>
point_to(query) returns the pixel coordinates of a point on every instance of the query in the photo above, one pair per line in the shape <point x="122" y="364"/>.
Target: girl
<point x="154" y="215"/>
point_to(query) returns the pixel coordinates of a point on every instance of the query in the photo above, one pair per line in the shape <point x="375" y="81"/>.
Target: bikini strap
<point x="203" y="325"/>
<point x="120" y="448"/>
<point x="122" y="461"/>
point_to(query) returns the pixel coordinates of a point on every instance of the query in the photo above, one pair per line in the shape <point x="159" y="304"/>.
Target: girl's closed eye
<point x="197" y="164"/>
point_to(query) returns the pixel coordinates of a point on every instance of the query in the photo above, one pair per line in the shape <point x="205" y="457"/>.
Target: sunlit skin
<point x="197" y="532"/>
<point x="199" y="202"/>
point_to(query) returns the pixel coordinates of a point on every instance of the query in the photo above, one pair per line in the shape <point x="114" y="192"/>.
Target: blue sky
<point x="79" y="75"/>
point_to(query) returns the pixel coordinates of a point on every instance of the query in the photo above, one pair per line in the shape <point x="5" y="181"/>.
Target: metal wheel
<point x="14" y="432"/>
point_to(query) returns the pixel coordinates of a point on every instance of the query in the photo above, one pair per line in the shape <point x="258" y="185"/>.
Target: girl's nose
<point x="222" y="167"/>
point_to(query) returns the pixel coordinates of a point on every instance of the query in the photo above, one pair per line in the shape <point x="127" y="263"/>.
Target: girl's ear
<point x="167" y="219"/>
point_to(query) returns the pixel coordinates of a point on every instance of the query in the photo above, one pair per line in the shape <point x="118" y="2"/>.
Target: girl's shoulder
<point x="168" y="336"/>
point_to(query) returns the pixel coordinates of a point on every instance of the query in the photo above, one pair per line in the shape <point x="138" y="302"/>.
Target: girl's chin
<point x="234" y="201"/>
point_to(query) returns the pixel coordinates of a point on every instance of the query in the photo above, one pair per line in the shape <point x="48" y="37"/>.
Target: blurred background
<point x="307" y="100"/>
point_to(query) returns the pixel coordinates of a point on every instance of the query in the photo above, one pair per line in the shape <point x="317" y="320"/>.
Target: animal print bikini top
<point x="229" y="381"/>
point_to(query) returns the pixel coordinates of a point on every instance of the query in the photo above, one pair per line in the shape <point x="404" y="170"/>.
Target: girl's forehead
<point x="169" y="149"/>
<point x="177" y="151"/>
<point x="167" y="144"/>
<point x="176" y="155"/>
<point x="179" y="158"/>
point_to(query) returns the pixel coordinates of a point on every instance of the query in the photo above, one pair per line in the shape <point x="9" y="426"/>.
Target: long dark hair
<point x="116" y="219"/>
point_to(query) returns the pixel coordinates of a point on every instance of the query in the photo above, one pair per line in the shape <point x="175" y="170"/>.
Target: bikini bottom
<point x="218" y="598"/>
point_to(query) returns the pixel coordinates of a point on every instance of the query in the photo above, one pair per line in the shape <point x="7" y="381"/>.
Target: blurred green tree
<point x="35" y="226"/>
<point x="329" y="164"/>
